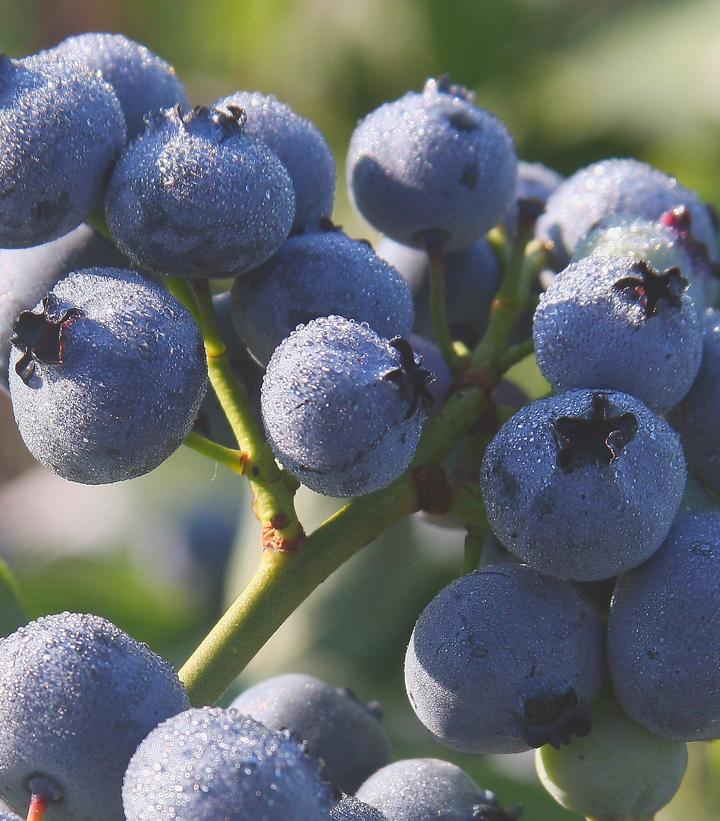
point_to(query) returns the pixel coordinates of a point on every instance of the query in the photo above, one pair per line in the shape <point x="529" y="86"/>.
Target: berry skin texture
<point x="27" y="274"/>
<point x="350" y="809"/>
<point x="417" y="789"/>
<point x="432" y="164"/>
<point x="338" y="729"/>
<point x="210" y="764"/>
<point x="106" y="376"/>
<point x="472" y="277"/>
<point x="611" y="188"/>
<point x="620" y="770"/>
<point x="61" y="129"/>
<point x="343" y="409"/>
<point x="76" y="698"/>
<point x="616" y="322"/>
<point x="664" y="634"/>
<point x="697" y="417"/>
<point x="141" y="80"/>
<point x="505" y="659"/>
<point x="315" y="275"/>
<point x="300" y="147"/>
<point x="583" y="485"/>
<point x="195" y="196"/>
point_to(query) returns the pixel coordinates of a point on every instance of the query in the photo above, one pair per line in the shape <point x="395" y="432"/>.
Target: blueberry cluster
<point x="594" y="633"/>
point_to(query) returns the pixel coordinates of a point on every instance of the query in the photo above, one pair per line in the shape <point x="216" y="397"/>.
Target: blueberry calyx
<point x="554" y="718"/>
<point x="41" y="336"/>
<point x="648" y="287"/>
<point x="597" y="439"/>
<point x="45" y="786"/>
<point x="229" y="119"/>
<point x="410" y="377"/>
<point x="494" y="812"/>
<point x="443" y="85"/>
<point x="679" y="221"/>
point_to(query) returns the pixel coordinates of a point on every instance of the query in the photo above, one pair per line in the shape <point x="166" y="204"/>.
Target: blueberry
<point x="418" y="789"/>
<point x="612" y="188"/>
<point x="338" y="729"/>
<point x="350" y="809"/>
<point x="620" y="770"/>
<point x="664" y="634"/>
<point x="432" y="164"/>
<point x="301" y="148"/>
<point x="61" y="129"/>
<point x="27" y="274"/>
<point x="583" y="485"/>
<point x="77" y="696"/>
<point x="141" y="80"/>
<point x="315" y="275"/>
<point x="210" y="764"/>
<point x="697" y="417"/>
<point x="472" y="277"/>
<point x="617" y="322"/>
<point x="535" y="182"/>
<point x="343" y="409"/>
<point x="505" y="659"/>
<point x="106" y="376"/>
<point x="195" y="196"/>
<point x="642" y="239"/>
<point x="432" y="359"/>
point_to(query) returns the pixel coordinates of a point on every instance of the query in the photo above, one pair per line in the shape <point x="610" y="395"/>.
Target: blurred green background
<point x="575" y="82"/>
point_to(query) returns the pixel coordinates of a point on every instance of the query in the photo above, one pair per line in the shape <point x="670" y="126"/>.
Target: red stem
<point x="38" y="807"/>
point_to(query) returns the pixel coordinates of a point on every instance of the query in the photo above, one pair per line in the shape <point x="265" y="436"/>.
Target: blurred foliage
<point x="575" y="82"/>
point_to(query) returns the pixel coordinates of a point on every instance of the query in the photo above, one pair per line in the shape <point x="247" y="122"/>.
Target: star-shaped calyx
<point x="410" y="377"/>
<point x="679" y="221"/>
<point x="596" y="439"/>
<point x="41" y="336"/>
<point x="554" y="718"/>
<point x="650" y="288"/>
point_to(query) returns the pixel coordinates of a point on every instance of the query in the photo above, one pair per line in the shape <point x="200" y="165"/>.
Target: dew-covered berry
<point x="432" y="165"/>
<point x="211" y="764"/>
<point x="338" y="729"/>
<point x="535" y="182"/>
<point x="343" y="409"/>
<point x="195" y="196"/>
<point x="301" y="148"/>
<point x="620" y="770"/>
<point x="77" y="695"/>
<point x="106" y="376"/>
<point x="61" y="130"/>
<point x="619" y="323"/>
<point x="583" y="485"/>
<point x="697" y="417"/>
<point x="432" y="359"/>
<point x="505" y="659"/>
<point x="313" y="275"/>
<point x="664" y="634"/>
<point x="418" y="789"/>
<point x="27" y="274"/>
<point x="350" y="809"/>
<point x="142" y="81"/>
<point x="612" y="188"/>
<point x="472" y="277"/>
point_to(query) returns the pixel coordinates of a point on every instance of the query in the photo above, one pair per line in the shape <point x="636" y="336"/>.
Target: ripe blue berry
<point x="141" y="80"/>
<point x="611" y="188"/>
<point x="418" y="789"/>
<point x="343" y="409"/>
<point x="315" y="275"/>
<point x="338" y="729"/>
<point x="350" y="809"/>
<point x="77" y="696"/>
<point x="106" y="376"/>
<point x="505" y="659"/>
<point x="195" y="196"/>
<point x="301" y="148"/>
<point x="620" y="770"/>
<point x="432" y="164"/>
<point x="697" y="417"/>
<point x="210" y="764"/>
<point x="27" y="274"/>
<point x="583" y="485"/>
<point x="535" y="182"/>
<point x="432" y="359"/>
<point x="664" y="634"/>
<point x="617" y="322"/>
<point x="472" y="277"/>
<point x="61" y="129"/>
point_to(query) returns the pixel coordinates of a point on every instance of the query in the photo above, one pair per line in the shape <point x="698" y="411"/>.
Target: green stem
<point x="622" y="818"/>
<point x="515" y="353"/>
<point x="218" y="453"/>
<point x="474" y="543"/>
<point x="12" y="610"/>
<point x="438" y="305"/>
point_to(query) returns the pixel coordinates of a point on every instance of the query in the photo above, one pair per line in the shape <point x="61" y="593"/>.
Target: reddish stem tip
<point x="38" y="807"/>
